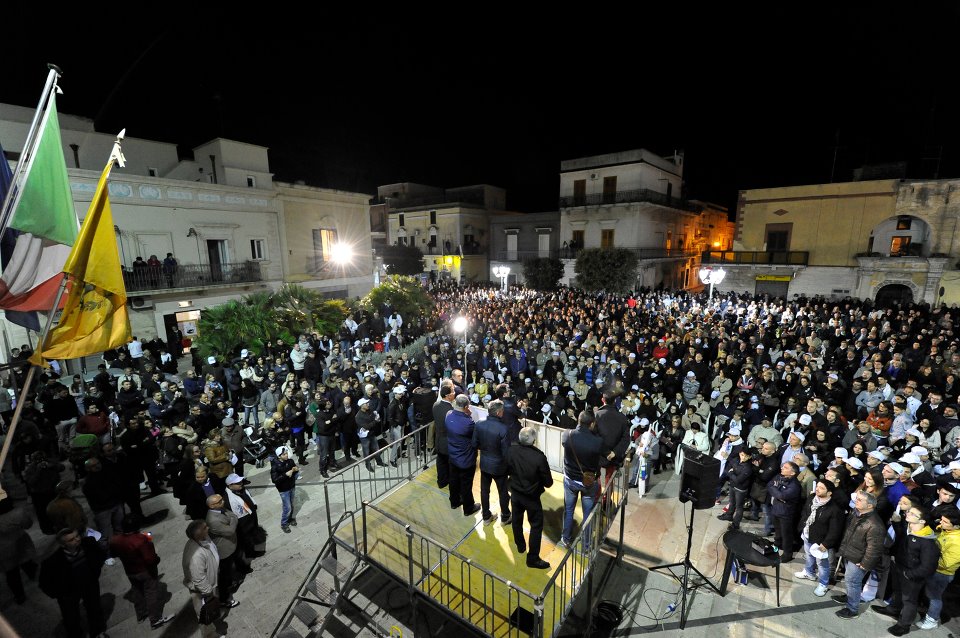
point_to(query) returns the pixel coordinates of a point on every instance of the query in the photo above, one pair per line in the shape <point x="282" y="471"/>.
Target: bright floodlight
<point x="460" y="324"/>
<point x="501" y="271"/>
<point x="341" y="253"/>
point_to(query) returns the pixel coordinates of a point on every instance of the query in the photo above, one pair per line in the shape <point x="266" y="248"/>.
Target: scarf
<point x="815" y="504"/>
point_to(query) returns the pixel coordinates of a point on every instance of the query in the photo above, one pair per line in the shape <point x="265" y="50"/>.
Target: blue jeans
<point x="369" y="445"/>
<point x="394" y="434"/>
<point x="571" y="491"/>
<point x="286" y="499"/>
<point x="255" y="411"/>
<point x="854" y="580"/>
<point x="935" y="586"/>
<point x="820" y="567"/>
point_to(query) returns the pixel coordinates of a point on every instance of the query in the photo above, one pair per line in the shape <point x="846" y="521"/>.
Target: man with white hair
<point x="792" y="448"/>
<point x="529" y="477"/>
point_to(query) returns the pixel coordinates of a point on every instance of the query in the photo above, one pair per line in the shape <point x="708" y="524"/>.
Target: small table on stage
<point x="740" y="545"/>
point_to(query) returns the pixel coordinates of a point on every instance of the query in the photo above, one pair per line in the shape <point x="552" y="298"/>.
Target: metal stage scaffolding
<point x="397" y="522"/>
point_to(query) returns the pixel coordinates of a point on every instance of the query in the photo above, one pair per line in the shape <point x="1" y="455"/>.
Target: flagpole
<point x="116" y="156"/>
<point x="29" y="147"/>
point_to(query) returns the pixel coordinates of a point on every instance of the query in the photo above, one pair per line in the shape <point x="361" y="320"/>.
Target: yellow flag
<point x="94" y="316"/>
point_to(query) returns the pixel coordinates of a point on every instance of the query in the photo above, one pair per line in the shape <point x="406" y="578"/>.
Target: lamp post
<point x="502" y="272"/>
<point x="710" y="276"/>
<point x="460" y="325"/>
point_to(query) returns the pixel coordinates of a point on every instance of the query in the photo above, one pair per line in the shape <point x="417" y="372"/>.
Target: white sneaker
<point x="110" y="562"/>
<point x="804" y="575"/>
<point x="928" y="623"/>
<point x="821" y="590"/>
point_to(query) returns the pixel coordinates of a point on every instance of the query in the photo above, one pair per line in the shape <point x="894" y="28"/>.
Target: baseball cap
<point x="235" y="478"/>
<point x="363" y="402"/>
<point x="854" y="463"/>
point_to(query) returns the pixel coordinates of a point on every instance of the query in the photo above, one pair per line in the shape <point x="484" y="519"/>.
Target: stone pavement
<point x="655" y="534"/>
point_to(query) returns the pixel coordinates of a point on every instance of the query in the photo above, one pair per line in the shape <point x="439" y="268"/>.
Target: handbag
<point x="589" y="478"/>
<point x="210" y="610"/>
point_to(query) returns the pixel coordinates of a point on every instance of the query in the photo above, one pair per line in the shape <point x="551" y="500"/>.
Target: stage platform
<point x="445" y="548"/>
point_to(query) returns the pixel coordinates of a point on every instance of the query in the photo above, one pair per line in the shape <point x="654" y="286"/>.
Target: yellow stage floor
<point x="483" y="601"/>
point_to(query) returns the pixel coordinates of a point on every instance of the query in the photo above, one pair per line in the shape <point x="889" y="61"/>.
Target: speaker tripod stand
<point x="687" y="587"/>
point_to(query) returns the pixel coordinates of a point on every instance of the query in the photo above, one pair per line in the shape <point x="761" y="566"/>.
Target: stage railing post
<point x="538" y="617"/>
<point x="363" y="523"/>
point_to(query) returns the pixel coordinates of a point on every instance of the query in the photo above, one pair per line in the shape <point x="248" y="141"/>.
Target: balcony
<point x="756" y="257"/>
<point x="628" y="197"/>
<point x="153" y="278"/>
<point x="571" y="253"/>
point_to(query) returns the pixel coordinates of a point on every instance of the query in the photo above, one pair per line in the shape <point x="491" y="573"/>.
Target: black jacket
<point x="529" y="471"/>
<point x="827" y="526"/>
<point x="740" y="475"/>
<point x="766" y="470"/>
<point x="582" y="451"/>
<point x="59" y="578"/>
<point x="278" y="474"/>
<point x="918" y="557"/>
<point x="440" y="409"/>
<point x="490" y="437"/>
<point x="614" y="427"/>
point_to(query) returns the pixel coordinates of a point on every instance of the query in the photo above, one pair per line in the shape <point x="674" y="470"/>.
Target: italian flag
<point x="41" y="228"/>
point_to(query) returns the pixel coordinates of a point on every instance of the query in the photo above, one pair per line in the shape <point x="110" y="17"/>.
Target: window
<point x="251" y="181"/>
<point x="433" y="217"/>
<point x="900" y="244"/>
<point x="778" y="237"/>
<point x="669" y="240"/>
<point x="903" y="223"/>
<point x="606" y="238"/>
<point x="511" y="247"/>
<point x="152" y="172"/>
<point x="543" y="245"/>
<point x="324" y="239"/>
<point x="610" y="189"/>
<point x="577" y="239"/>
<point x="258" y="250"/>
<point x="579" y="192"/>
<point x="400" y="217"/>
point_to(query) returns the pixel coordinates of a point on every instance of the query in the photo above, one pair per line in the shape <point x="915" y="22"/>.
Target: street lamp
<point x="460" y="325"/>
<point x="502" y="272"/>
<point x="709" y="276"/>
<point x="341" y="253"/>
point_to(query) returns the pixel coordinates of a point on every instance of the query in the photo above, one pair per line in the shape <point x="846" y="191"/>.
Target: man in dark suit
<point x="529" y="477"/>
<point x="440" y="409"/>
<point x="72" y="573"/>
<point x="490" y="438"/>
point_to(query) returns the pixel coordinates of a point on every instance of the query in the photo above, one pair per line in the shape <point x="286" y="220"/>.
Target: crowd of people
<point x="836" y="424"/>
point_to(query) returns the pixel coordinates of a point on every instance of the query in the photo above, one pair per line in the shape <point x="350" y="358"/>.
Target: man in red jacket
<point x="135" y="550"/>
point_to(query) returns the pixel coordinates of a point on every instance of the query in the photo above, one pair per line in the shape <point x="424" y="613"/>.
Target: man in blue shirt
<point x="462" y="454"/>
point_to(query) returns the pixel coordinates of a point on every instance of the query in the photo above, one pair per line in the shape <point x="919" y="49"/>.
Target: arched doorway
<point x="893" y="294"/>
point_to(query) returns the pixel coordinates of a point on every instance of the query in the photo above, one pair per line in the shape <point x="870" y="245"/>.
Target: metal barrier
<point x="443" y="574"/>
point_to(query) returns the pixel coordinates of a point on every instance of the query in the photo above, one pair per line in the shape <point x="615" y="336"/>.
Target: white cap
<point x="571" y="393"/>
<point x="735" y="430"/>
<point x="910" y="458"/>
<point x="243" y="355"/>
<point x="805" y="419"/>
<point x="211" y="359"/>
<point x="632" y="354"/>
<point x="877" y="454"/>
<point x="662" y="361"/>
<point x="363" y="402"/>
<point x="233" y="479"/>
<point x="634" y="387"/>
<point x="644" y="421"/>
<point x="799" y="435"/>
<point x="691" y="374"/>
<point x="915" y="432"/>
<point x="920" y="450"/>
<point x="896" y="467"/>
<point x="954" y="465"/>
<point x="546" y="408"/>
<point x="281" y="450"/>
<point x="842" y="453"/>
<point x="854" y="463"/>
<point x="653" y="375"/>
<point x="678" y="362"/>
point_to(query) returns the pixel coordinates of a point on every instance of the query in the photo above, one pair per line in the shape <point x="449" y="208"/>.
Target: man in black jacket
<point x="821" y="525"/>
<point x="72" y="573"/>
<point x="740" y="476"/>
<point x="861" y="547"/>
<point x="490" y="438"/>
<point x="583" y="450"/>
<point x="283" y="473"/>
<point x="440" y="409"/>
<point x="529" y="477"/>
<point x="916" y="561"/>
<point x="614" y="428"/>
<point x="785" y="493"/>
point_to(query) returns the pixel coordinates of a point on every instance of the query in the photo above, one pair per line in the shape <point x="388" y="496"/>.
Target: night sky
<point x="754" y="98"/>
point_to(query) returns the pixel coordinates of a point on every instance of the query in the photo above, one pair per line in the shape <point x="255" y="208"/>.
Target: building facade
<point x="230" y="228"/>
<point x="518" y="237"/>
<point x="887" y="240"/>
<point x="633" y="199"/>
